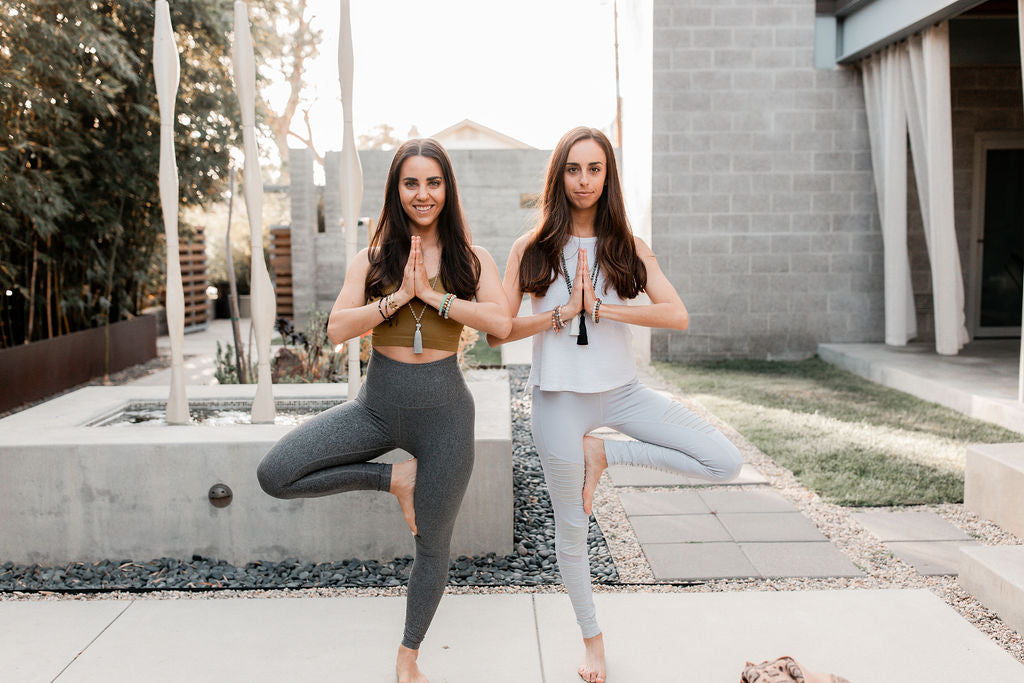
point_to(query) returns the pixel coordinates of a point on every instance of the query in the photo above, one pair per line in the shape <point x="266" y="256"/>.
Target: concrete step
<point x="994" y="484"/>
<point x="995" y="576"/>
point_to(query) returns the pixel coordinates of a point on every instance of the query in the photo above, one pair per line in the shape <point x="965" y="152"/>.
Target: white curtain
<point x="887" y="127"/>
<point x="906" y="88"/>
<point x="927" y="100"/>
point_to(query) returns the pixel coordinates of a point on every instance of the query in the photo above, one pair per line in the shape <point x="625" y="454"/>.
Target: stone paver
<point x="818" y="559"/>
<point x="663" y="503"/>
<point x="679" y="529"/>
<point x="749" y="500"/>
<point x="698" y="561"/>
<point x="909" y="525"/>
<point x="931" y="558"/>
<point x="622" y="475"/>
<point x="758" y="527"/>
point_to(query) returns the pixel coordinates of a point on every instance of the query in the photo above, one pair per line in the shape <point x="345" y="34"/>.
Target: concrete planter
<point x="36" y="370"/>
<point x="72" y="492"/>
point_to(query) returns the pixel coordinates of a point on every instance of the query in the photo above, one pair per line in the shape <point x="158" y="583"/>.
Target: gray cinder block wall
<point x="491" y="183"/>
<point x="764" y="214"/>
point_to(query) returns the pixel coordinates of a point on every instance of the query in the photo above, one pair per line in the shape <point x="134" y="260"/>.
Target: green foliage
<point x="81" y="231"/>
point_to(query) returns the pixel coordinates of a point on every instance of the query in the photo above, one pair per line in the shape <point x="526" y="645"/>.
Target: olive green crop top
<point x="437" y="332"/>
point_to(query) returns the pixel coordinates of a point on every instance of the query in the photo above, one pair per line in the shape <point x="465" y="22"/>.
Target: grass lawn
<point x="852" y="441"/>
<point x="480" y="354"/>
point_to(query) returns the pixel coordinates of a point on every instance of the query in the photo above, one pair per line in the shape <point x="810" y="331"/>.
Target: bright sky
<point x="531" y="69"/>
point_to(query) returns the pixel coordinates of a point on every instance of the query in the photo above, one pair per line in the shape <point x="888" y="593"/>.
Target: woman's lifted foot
<point x="403" y="485"/>
<point x="406" y="667"/>
<point x="592" y="669"/>
<point x="596" y="463"/>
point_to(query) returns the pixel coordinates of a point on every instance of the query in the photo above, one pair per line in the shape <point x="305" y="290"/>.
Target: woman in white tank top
<point x="581" y="266"/>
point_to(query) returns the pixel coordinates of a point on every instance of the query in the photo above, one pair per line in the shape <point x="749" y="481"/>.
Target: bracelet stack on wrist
<point x="557" y="324"/>
<point x="446" y="305"/>
<point x="597" y="311"/>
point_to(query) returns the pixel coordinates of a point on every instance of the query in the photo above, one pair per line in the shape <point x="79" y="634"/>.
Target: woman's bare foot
<point x="592" y="669"/>
<point x="403" y="485"/>
<point x="406" y="668"/>
<point x="595" y="464"/>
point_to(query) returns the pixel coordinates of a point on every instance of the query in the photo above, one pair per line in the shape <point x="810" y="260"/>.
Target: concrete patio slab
<point x="755" y="500"/>
<point x="622" y="475"/>
<point x="698" y="561"/>
<point x="662" y="503"/>
<point x="39" y="639"/>
<point x="980" y="381"/>
<point x="309" y="639"/>
<point x="909" y="525"/>
<point x="678" y="529"/>
<point x="931" y="558"/>
<point x="881" y="636"/>
<point x="757" y="527"/>
<point x="799" y="559"/>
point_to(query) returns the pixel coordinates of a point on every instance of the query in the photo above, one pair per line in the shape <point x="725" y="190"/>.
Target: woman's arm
<point x="666" y="309"/>
<point x="351" y="316"/>
<point x="489" y="313"/>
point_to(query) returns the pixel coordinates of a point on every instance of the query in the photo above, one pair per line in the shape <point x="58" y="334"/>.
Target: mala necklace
<point x="417" y="338"/>
<point x="581" y="332"/>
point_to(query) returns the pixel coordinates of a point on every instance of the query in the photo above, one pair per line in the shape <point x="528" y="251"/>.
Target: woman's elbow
<point x="682" y="320"/>
<point x="494" y="341"/>
<point x="502" y="329"/>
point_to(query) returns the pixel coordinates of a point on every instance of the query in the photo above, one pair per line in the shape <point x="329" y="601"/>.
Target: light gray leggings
<point x="670" y="438"/>
<point x="425" y="409"/>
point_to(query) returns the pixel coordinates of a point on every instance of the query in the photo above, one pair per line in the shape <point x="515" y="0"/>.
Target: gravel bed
<point x="531" y="563"/>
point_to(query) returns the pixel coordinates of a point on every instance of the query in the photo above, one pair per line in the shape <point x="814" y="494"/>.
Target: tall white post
<point x="263" y="300"/>
<point x="351" y="174"/>
<point x="166" y="71"/>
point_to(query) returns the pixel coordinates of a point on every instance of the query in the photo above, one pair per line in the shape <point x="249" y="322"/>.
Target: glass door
<point x="998" y="263"/>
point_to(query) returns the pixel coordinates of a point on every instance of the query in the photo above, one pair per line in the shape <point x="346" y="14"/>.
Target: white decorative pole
<point x="351" y="174"/>
<point x="166" y="71"/>
<point x="263" y="301"/>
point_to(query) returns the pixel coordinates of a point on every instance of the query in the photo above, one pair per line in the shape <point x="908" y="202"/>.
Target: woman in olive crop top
<point x="416" y="286"/>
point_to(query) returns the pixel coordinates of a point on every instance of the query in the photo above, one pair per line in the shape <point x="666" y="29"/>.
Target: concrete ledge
<point x="994" y="484"/>
<point x="995" y="576"/>
<point x="983" y="392"/>
<point x="74" y="493"/>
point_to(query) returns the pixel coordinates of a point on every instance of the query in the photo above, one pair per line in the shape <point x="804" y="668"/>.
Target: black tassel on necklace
<point x="581" y="339"/>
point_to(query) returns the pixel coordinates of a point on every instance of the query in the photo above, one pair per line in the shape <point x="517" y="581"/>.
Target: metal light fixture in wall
<point x="220" y="495"/>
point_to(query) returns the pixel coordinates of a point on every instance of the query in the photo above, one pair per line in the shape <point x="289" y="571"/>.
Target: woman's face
<point x="584" y="173"/>
<point x="421" y="188"/>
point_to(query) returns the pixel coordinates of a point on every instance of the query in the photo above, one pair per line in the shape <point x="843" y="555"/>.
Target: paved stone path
<point x="920" y="538"/>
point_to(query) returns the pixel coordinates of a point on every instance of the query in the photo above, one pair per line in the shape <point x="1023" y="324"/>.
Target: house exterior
<point x="762" y="200"/>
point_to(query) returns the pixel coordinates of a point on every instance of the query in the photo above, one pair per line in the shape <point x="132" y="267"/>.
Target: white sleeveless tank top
<point x="559" y="363"/>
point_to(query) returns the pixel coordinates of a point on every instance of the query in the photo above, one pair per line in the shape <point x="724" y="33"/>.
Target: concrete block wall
<point x="984" y="99"/>
<point x="764" y="213"/>
<point x="490" y="184"/>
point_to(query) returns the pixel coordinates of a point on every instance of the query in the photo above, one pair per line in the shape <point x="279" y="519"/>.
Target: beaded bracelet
<point x="446" y="305"/>
<point x="597" y="311"/>
<point x="556" y="316"/>
<point x="381" y="310"/>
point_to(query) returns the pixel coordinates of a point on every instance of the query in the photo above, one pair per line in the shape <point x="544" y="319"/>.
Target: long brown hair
<point x="616" y="251"/>
<point x="389" y="248"/>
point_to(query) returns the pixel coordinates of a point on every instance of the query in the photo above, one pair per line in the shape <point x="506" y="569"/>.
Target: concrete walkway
<point x="981" y="381"/>
<point x="869" y="636"/>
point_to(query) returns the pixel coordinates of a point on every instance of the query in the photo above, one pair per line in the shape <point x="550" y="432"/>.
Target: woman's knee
<point x="269" y="476"/>
<point x="731" y="464"/>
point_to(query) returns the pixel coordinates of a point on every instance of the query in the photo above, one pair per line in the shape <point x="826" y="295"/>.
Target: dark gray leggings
<point x="425" y="409"/>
